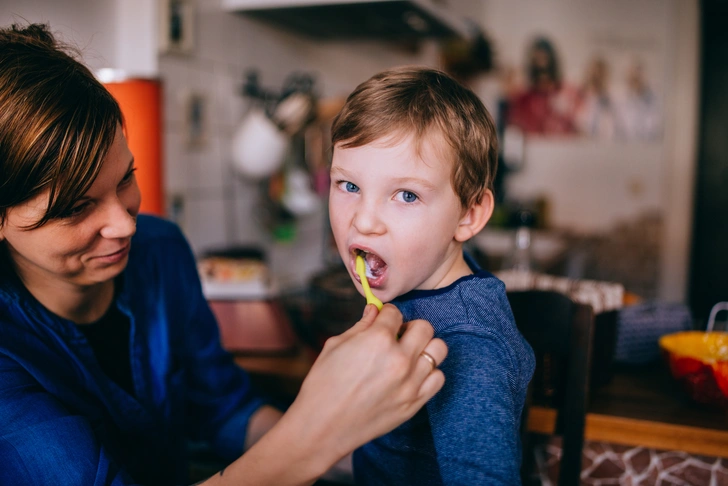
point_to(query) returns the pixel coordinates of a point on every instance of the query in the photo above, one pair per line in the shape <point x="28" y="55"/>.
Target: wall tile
<point x="177" y="74"/>
<point x="175" y="162"/>
<point x="204" y="222"/>
<point x="230" y="104"/>
<point x="246" y="223"/>
<point x="205" y="169"/>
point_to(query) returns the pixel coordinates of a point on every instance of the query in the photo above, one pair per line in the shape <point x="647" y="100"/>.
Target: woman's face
<point x="88" y="245"/>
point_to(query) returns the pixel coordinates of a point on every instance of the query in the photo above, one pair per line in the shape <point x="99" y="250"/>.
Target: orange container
<point x="141" y="103"/>
<point x="699" y="361"/>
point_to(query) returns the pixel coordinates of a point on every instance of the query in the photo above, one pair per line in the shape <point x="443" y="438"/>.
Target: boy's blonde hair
<point x="416" y="100"/>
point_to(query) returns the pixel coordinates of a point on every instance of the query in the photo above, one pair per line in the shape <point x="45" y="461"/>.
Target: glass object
<point x="521" y="258"/>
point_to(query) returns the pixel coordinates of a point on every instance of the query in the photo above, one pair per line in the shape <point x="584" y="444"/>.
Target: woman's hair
<point x="552" y="69"/>
<point x="424" y="102"/>
<point x="57" y="122"/>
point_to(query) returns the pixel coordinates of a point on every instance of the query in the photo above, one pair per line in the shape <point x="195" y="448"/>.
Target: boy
<point x="414" y="159"/>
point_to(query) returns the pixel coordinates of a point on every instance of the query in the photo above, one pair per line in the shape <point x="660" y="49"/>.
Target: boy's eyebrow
<point x="414" y="180"/>
<point x="339" y="171"/>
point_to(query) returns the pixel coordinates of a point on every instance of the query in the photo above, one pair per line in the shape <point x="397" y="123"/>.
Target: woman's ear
<point x="475" y="218"/>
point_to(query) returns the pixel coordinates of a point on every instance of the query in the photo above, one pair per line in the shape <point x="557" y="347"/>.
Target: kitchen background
<point x="626" y="205"/>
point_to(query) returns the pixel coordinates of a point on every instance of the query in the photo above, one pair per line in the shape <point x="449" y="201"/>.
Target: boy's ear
<point x="475" y="218"/>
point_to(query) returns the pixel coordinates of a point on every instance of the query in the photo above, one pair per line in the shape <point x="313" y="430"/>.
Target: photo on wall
<point x="610" y="93"/>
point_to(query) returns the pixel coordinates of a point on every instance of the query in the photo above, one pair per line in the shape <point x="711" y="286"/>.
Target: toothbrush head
<point x="361" y="270"/>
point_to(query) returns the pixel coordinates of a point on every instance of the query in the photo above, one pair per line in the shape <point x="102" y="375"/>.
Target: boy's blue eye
<point x="408" y="197"/>
<point x="350" y="187"/>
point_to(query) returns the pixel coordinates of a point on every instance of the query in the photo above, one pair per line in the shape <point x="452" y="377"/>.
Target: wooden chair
<point x="560" y="331"/>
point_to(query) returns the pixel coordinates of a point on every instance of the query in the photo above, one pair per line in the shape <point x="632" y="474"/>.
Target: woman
<point x="81" y="272"/>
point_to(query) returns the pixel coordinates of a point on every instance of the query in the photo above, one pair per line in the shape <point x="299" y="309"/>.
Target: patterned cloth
<point x="601" y="296"/>
<point x="605" y="464"/>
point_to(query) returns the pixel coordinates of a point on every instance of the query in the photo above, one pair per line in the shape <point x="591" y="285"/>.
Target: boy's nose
<point x="367" y="219"/>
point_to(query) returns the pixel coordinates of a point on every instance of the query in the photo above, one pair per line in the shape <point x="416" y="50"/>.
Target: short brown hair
<point x="57" y="121"/>
<point x="413" y="99"/>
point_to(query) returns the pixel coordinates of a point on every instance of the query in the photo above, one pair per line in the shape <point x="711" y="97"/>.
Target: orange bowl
<point x="699" y="360"/>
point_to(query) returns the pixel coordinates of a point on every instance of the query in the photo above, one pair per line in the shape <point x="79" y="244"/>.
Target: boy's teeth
<point x="364" y="254"/>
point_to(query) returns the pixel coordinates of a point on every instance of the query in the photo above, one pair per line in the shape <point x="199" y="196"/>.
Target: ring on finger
<point x="430" y="359"/>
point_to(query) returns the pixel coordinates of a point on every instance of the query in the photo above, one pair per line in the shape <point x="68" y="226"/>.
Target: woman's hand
<point x="365" y="382"/>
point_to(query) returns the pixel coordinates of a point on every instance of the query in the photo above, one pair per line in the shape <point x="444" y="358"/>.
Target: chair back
<point x="560" y="331"/>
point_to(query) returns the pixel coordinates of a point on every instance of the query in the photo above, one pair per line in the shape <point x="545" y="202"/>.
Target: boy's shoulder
<point x="485" y="301"/>
<point x="486" y="313"/>
<point x="476" y="303"/>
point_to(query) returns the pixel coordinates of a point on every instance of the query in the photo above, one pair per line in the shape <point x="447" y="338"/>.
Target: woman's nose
<point x="120" y="221"/>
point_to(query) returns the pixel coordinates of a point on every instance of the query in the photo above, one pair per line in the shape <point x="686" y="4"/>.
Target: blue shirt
<point x="63" y="421"/>
<point x="468" y="433"/>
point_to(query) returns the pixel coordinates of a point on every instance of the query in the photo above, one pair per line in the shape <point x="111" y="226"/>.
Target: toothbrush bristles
<point x="369" y="269"/>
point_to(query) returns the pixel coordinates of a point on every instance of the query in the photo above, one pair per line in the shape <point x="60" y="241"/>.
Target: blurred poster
<point x="609" y="95"/>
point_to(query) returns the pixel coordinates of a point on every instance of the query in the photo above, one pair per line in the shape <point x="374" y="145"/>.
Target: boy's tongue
<point x="374" y="264"/>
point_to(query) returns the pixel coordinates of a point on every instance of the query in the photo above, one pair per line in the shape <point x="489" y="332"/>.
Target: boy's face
<point x="399" y="207"/>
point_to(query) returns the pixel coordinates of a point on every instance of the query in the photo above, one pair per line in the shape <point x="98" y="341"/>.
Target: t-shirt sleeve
<point x="475" y="418"/>
<point x="42" y="443"/>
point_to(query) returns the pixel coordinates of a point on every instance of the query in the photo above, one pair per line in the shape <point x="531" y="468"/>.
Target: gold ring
<point x="429" y="358"/>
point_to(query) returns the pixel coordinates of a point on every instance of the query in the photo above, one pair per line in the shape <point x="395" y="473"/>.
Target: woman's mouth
<point x="116" y="256"/>
<point x="376" y="267"/>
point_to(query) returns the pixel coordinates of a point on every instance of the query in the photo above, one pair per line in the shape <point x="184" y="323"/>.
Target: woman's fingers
<point x="365" y="382"/>
<point x="433" y="354"/>
<point x="415" y="336"/>
<point x="429" y="359"/>
<point x="367" y="319"/>
<point x="432" y="384"/>
<point x="391" y="321"/>
<point x="417" y="341"/>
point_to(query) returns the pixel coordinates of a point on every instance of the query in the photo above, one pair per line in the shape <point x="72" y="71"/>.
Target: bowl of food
<point x="699" y="361"/>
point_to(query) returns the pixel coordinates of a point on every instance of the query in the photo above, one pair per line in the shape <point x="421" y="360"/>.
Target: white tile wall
<point x="204" y="221"/>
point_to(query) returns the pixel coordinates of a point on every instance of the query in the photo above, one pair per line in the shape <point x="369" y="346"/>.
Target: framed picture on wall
<point x="606" y="88"/>
<point x="176" y="26"/>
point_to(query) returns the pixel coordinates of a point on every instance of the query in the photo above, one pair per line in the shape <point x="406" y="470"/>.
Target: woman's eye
<point x="408" y="197"/>
<point x="349" y="187"/>
<point x="128" y="176"/>
<point x="74" y="211"/>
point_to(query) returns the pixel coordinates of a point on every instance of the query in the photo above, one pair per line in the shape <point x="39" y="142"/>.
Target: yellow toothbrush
<point x="362" y="271"/>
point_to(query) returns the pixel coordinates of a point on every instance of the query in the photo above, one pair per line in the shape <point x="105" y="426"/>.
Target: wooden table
<point x="639" y="407"/>
<point x="645" y="407"/>
<point x="280" y="376"/>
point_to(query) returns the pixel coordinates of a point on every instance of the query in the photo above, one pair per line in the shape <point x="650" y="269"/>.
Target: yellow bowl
<point x="699" y="360"/>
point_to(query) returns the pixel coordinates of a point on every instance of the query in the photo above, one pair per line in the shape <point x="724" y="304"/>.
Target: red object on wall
<point x="141" y="103"/>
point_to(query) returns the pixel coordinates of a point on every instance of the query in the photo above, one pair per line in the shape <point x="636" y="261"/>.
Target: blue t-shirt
<point x="63" y="421"/>
<point x="468" y="433"/>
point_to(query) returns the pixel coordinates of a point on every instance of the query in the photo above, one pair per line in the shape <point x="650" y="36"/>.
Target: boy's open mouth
<point x="374" y="264"/>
